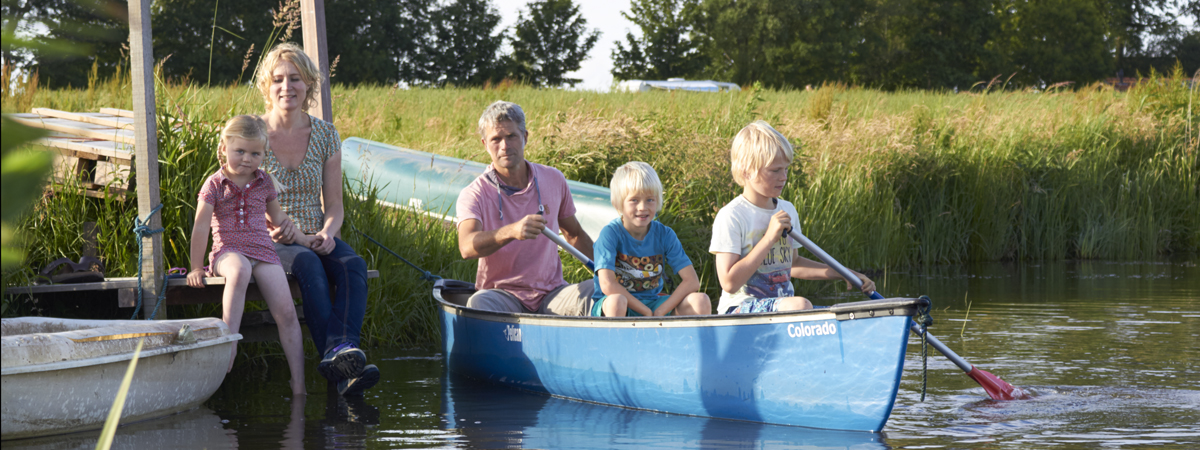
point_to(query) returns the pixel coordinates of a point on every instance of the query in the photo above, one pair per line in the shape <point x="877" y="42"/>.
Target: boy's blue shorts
<point x="598" y="307"/>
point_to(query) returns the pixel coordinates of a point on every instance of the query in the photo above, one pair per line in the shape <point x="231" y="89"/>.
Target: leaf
<point x="114" y="414"/>
<point x="23" y="171"/>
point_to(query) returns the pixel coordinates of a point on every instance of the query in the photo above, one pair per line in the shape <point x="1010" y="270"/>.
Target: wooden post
<point x="312" y="21"/>
<point x="141" y="51"/>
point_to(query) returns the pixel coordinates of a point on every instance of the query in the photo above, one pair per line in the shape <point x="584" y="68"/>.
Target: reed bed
<point x="882" y="180"/>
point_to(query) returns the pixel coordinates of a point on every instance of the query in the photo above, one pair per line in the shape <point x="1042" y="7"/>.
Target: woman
<point x="306" y="158"/>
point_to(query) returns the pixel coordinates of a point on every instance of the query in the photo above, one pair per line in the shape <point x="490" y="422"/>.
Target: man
<point x="501" y="217"/>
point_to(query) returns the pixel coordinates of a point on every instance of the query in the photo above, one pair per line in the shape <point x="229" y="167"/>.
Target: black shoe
<point x="342" y="362"/>
<point x="352" y="387"/>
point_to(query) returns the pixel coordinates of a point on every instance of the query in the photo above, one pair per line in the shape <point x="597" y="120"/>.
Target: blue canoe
<point x="834" y="368"/>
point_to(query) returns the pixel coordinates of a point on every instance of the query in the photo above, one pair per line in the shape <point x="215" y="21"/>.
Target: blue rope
<point x="142" y="230"/>
<point x="425" y="274"/>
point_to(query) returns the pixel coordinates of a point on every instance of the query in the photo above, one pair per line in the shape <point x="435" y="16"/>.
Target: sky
<point x="605" y="15"/>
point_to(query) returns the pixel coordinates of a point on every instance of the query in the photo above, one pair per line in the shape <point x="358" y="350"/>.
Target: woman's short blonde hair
<point x="292" y="53"/>
<point x="635" y="177"/>
<point x="753" y="149"/>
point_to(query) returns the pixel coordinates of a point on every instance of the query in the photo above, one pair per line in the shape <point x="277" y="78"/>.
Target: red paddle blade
<point x="996" y="388"/>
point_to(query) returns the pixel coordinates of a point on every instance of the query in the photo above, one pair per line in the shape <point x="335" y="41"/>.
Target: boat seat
<point x="178" y="292"/>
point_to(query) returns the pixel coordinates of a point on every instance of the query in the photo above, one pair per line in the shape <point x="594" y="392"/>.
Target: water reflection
<point x="487" y="416"/>
<point x="198" y="428"/>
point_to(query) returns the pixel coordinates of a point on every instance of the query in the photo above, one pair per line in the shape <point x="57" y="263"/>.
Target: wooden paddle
<point x="996" y="388"/>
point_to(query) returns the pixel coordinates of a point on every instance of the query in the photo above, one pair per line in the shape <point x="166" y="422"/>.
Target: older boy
<point x="755" y="261"/>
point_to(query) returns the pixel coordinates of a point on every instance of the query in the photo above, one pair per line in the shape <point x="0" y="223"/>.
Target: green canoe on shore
<point x="430" y="183"/>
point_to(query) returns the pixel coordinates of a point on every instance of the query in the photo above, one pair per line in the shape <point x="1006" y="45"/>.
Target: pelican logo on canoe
<point x="512" y="334"/>
<point x="800" y="330"/>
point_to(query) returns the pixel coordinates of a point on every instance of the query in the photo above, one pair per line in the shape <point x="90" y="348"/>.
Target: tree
<point x="375" y="41"/>
<point x="462" y="48"/>
<point x="550" y="42"/>
<point x="780" y="42"/>
<point x="1056" y="41"/>
<point x="68" y="38"/>
<point x="945" y="44"/>
<point x="665" y="49"/>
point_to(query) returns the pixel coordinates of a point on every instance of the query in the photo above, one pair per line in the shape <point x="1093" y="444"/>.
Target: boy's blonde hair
<point x="635" y="177"/>
<point x="292" y="53"/>
<point x="501" y="111"/>
<point x="250" y="128"/>
<point x="753" y="148"/>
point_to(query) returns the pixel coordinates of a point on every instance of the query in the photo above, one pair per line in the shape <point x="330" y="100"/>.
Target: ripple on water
<point x="1054" y="416"/>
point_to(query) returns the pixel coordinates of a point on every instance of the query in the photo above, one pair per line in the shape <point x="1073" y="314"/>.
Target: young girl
<point x="233" y="202"/>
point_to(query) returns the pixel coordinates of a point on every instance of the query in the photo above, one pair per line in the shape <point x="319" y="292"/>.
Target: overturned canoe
<point x="834" y="368"/>
<point x="430" y="183"/>
<point x="61" y="375"/>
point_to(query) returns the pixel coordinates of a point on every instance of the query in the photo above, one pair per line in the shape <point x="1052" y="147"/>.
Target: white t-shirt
<point x="737" y="229"/>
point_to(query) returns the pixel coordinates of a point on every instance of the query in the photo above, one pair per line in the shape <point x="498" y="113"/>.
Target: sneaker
<point x="352" y="387"/>
<point x="342" y="362"/>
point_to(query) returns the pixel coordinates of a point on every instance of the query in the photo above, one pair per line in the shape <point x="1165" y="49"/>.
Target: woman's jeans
<point x="334" y="290"/>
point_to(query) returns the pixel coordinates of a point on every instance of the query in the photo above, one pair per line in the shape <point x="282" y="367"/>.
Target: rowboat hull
<point x="833" y="368"/>
<point x="61" y="376"/>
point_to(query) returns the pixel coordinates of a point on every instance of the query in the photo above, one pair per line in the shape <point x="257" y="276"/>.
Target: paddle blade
<point x="996" y="388"/>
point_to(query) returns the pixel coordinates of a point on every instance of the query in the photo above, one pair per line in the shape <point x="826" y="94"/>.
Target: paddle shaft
<point x="854" y="280"/>
<point x="570" y="249"/>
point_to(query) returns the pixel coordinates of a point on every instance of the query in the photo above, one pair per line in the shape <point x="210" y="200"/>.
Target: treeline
<point x="892" y="44"/>
<point x="887" y="44"/>
<point x="416" y="42"/>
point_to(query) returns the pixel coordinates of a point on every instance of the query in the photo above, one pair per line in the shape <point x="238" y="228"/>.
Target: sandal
<point x="89" y="269"/>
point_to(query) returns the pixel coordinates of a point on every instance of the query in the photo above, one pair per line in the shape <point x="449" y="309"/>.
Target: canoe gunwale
<point x="841" y="312"/>
<point x="108" y="359"/>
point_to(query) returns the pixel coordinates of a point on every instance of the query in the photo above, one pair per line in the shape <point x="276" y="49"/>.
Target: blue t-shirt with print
<point x="638" y="264"/>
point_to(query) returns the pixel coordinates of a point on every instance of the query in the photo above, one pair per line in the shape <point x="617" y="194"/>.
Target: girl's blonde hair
<point x="250" y="128"/>
<point x="635" y="177"/>
<point x="292" y="53"/>
<point x="753" y="148"/>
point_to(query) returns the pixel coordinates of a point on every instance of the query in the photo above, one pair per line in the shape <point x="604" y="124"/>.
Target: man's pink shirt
<point x="527" y="269"/>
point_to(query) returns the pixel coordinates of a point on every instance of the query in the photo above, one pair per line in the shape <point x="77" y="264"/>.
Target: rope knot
<point x="141" y="229"/>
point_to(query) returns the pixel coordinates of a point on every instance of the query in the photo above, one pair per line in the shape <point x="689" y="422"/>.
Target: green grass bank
<point x="882" y="180"/>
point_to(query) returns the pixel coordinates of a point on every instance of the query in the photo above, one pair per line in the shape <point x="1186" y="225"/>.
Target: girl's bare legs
<point x="272" y="283"/>
<point x="695" y="304"/>
<point x="236" y="270"/>
<point x="792" y="304"/>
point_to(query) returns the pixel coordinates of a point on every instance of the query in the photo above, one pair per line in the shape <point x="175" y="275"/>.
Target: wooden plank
<point x="141" y="51"/>
<point x="312" y="22"/>
<point x="117" y="112"/>
<point x="119" y="152"/>
<point x="178" y="292"/>
<point x="76" y="128"/>
<point x="107" y="120"/>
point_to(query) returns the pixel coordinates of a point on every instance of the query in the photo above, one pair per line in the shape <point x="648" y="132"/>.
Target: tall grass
<point x="881" y="180"/>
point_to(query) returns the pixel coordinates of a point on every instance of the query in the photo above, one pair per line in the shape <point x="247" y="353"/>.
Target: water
<point x="1110" y="353"/>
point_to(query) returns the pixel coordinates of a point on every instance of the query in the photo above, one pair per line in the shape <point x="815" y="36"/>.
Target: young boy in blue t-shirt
<point x="633" y="251"/>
